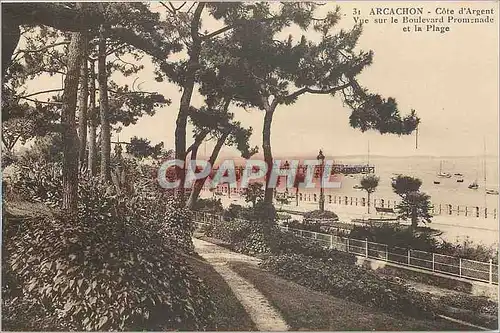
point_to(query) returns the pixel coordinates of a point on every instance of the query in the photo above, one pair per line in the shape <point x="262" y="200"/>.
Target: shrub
<point x="283" y="217"/>
<point x="107" y="272"/>
<point x="351" y="282"/>
<point x="116" y="265"/>
<point x="242" y="235"/>
<point x="396" y="236"/>
<point x="210" y="205"/>
<point x="233" y="211"/>
<point x="305" y="225"/>
<point x="319" y="215"/>
<point x="478" y="304"/>
<point x="466" y="248"/>
<point x="289" y="243"/>
<point x="39" y="182"/>
<point x="424" y="240"/>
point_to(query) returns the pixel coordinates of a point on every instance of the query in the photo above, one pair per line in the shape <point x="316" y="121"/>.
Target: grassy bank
<point x="305" y="309"/>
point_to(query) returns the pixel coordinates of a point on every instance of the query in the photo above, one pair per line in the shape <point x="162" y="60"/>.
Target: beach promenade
<point x="480" y="230"/>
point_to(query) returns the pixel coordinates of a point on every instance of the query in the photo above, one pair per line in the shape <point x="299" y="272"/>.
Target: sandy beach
<point x="480" y="230"/>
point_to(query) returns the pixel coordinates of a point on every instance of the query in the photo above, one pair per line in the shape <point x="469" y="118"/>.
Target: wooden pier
<point x="337" y="169"/>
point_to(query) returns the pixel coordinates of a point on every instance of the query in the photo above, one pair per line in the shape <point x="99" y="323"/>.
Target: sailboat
<point x="474" y="185"/>
<point x="368" y="157"/>
<point x="441" y="173"/>
<point x="488" y="190"/>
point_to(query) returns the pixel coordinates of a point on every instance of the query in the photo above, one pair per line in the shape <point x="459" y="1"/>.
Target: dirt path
<point x="265" y="317"/>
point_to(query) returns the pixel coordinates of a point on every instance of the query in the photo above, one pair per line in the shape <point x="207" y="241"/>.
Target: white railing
<point x="428" y="261"/>
<point x="438" y="209"/>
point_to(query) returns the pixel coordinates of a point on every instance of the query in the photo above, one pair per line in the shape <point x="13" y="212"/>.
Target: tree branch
<point x="304" y="90"/>
<point x="41" y="49"/>
<point x="198" y="140"/>
<point x="217" y="32"/>
<point x="37" y="101"/>
<point x="41" y="92"/>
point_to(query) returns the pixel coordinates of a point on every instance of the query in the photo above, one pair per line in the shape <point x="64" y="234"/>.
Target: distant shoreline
<point x="365" y="157"/>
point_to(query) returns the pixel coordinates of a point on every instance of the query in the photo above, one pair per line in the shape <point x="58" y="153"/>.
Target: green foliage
<point x="39" y="182"/>
<point x="312" y="216"/>
<point x="243" y="230"/>
<point x="369" y="183"/>
<point x="106" y="273"/>
<point x="26" y="122"/>
<point x="242" y="235"/>
<point x="351" y="282"/>
<point x="210" y="205"/>
<point x="117" y="265"/>
<point x="289" y="243"/>
<point x="141" y="148"/>
<point x="466" y="248"/>
<point x="396" y="236"/>
<point x="478" y="304"/>
<point x="405" y="184"/>
<point x="233" y="211"/>
<point x="283" y="217"/>
<point x="283" y="200"/>
<point x="415" y="206"/>
<point x="254" y="193"/>
<point x="46" y="149"/>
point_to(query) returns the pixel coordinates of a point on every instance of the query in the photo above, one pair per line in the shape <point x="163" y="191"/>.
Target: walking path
<point x="265" y="317"/>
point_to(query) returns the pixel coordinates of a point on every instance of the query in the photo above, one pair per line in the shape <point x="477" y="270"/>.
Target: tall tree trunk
<point x="368" y="202"/>
<point x="104" y="108"/>
<point x="297" y="196"/>
<point x="269" y="212"/>
<point x="268" y="156"/>
<point x="82" y="112"/>
<point x="92" y="116"/>
<point x="69" y="134"/>
<point x="198" y="185"/>
<point x="11" y="33"/>
<point x="187" y="92"/>
<point x="414" y="219"/>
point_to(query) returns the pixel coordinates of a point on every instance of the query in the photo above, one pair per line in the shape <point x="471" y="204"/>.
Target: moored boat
<point x="474" y="186"/>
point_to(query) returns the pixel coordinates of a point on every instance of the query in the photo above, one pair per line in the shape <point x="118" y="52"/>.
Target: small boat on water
<point x="491" y="191"/>
<point x="474" y="186"/>
<point x="441" y="173"/>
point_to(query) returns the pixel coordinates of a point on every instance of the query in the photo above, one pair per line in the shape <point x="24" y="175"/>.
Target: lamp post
<point x="321" y="158"/>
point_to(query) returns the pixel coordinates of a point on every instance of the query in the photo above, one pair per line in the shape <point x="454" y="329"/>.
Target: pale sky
<point x="450" y="79"/>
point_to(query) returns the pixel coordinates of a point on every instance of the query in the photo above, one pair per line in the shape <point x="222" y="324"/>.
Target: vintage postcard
<point x="250" y="166"/>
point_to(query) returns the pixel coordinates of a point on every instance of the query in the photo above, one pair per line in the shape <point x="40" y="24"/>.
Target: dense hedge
<point x="289" y="243"/>
<point x="247" y="237"/>
<point x="209" y="205"/>
<point x="105" y="274"/>
<point x="318" y="214"/>
<point x="117" y="265"/>
<point x="424" y="239"/>
<point x="351" y="282"/>
<point x="242" y="235"/>
<point x="396" y="236"/>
